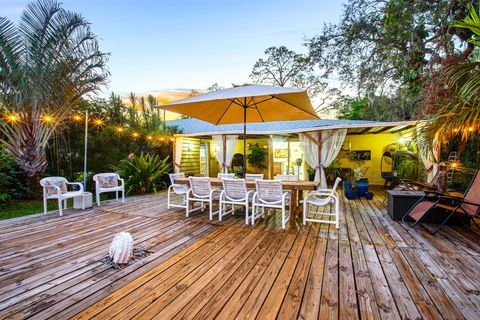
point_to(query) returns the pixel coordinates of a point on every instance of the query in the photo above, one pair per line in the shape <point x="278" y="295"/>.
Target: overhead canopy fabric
<point x="264" y="103"/>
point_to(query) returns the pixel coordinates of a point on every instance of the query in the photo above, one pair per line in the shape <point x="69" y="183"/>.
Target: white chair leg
<point x="168" y="198"/>
<point x="60" y="211"/>
<point x="116" y="195"/>
<point x="221" y="210"/>
<point x="45" y="207"/>
<point x="210" y="209"/>
<point x="187" y="208"/>
<point x="65" y="204"/>
<point x="83" y="202"/>
<point x="254" y="208"/>
<point x="337" y="215"/>
<point x="305" y="212"/>
<point x="98" y="198"/>
<point x="246" y="212"/>
<point x="283" y="217"/>
<point x="123" y="194"/>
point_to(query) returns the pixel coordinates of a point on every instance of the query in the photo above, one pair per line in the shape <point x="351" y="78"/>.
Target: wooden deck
<point x="371" y="268"/>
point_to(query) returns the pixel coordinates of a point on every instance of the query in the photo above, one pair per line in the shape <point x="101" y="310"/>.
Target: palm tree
<point x="47" y="63"/>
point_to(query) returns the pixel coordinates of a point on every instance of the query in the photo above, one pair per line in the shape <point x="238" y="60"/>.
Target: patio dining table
<point x="296" y="188"/>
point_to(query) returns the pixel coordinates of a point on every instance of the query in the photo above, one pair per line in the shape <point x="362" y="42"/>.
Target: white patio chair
<point x="286" y="177"/>
<point x="108" y="182"/>
<point x="270" y="194"/>
<point x="321" y="198"/>
<point x="201" y="191"/>
<point x="225" y="175"/>
<point x="56" y="188"/>
<point x="179" y="189"/>
<point x="253" y="176"/>
<point x="234" y="193"/>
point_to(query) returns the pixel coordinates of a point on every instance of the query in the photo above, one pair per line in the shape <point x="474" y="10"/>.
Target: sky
<point x="185" y="44"/>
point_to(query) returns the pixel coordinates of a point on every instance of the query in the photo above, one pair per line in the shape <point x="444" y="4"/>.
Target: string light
<point x="470" y="129"/>
<point x="98" y="122"/>
<point x="135" y="135"/>
<point x="149" y="137"/>
<point x="172" y="139"/>
<point x="12" y="118"/>
<point x="77" y="117"/>
<point x="455" y="130"/>
<point x="119" y="129"/>
<point x="162" y="139"/>
<point x="47" y="119"/>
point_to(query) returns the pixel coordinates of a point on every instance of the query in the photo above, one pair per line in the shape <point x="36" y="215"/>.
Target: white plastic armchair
<point x="270" y="194"/>
<point x="201" y="191"/>
<point x="225" y="175"/>
<point x="57" y="188"/>
<point x="108" y="182"/>
<point x="234" y="193"/>
<point x="179" y="189"/>
<point x="321" y="198"/>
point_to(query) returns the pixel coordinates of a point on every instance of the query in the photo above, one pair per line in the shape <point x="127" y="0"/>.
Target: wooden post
<point x="288" y="156"/>
<point x="270" y="157"/>
<point x="320" y="151"/>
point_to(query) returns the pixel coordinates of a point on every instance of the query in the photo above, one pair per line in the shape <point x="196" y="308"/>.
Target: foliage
<point x="144" y="173"/>
<point x="257" y="156"/>
<point x="11" y="179"/>
<point x="407" y="168"/>
<point x="48" y="62"/>
<point x="458" y="117"/>
<point x="384" y="45"/>
<point x="351" y="108"/>
<point x="334" y="170"/>
<point x="284" y="67"/>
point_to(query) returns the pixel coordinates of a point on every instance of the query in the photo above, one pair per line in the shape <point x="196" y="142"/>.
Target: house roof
<point x="195" y="127"/>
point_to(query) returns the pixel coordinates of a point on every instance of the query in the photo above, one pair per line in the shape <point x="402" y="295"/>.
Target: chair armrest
<point x="123" y="181"/>
<point x="457" y="199"/>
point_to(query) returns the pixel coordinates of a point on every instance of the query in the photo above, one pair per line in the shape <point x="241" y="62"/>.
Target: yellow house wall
<point x="376" y="144"/>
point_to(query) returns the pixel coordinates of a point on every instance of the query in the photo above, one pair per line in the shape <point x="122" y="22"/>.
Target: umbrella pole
<point x="244" y="137"/>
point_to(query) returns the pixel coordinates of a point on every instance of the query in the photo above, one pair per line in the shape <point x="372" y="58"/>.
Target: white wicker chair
<point x="253" y="176"/>
<point x="270" y="194"/>
<point x="201" y="191"/>
<point x="179" y="189"/>
<point x="286" y="177"/>
<point x="56" y="188"/>
<point x="320" y="198"/>
<point x="108" y="182"/>
<point x="234" y="193"/>
<point x="225" y="175"/>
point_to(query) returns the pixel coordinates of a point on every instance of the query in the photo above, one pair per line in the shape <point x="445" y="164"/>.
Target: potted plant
<point x="359" y="170"/>
<point x="349" y="187"/>
<point x="257" y="156"/>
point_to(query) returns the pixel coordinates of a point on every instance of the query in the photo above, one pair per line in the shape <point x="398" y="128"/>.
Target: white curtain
<point x="430" y="158"/>
<point x="224" y="157"/>
<point x="332" y="143"/>
<point x="218" y="140"/>
<point x="231" y="144"/>
<point x="178" y="153"/>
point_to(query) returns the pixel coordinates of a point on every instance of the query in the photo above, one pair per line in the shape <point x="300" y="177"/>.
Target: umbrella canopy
<point x="248" y="103"/>
<point x="262" y="103"/>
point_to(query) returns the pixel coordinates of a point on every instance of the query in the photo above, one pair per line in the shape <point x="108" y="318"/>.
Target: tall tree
<point x="284" y="67"/>
<point x="132" y="111"/>
<point x="380" y="46"/>
<point x="47" y="63"/>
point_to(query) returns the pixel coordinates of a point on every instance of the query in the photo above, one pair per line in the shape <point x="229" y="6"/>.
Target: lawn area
<point x="20" y="208"/>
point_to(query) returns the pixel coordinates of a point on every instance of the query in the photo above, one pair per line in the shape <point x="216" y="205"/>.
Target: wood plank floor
<point x="371" y="268"/>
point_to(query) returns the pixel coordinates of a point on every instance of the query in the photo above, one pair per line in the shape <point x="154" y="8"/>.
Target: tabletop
<point x="289" y="185"/>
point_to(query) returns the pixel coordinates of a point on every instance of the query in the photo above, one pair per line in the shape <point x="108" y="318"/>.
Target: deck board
<point x="371" y="268"/>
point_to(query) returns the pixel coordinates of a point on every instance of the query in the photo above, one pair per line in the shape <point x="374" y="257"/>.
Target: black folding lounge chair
<point x="466" y="206"/>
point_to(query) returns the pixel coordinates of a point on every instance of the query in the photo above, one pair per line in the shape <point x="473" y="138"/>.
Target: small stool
<point x="87" y="197"/>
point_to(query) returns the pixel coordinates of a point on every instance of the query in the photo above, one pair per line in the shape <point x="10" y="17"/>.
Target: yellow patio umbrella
<point x="245" y="104"/>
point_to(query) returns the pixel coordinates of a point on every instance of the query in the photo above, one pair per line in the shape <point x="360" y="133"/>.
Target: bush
<point x="144" y="173"/>
<point x="12" y="182"/>
<point x="257" y="156"/>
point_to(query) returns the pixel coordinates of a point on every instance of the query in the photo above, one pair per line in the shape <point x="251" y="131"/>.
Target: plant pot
<point x="362" y="187"/>
<point x="368" y="195"/>
<point x="350" y="194"/>
<point x="346" y="185"/>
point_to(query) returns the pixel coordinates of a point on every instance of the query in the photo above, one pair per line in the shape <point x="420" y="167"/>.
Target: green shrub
<point x="12" y="182"/>
<point x="408" y="168"/>
<point x="144" y="173"/>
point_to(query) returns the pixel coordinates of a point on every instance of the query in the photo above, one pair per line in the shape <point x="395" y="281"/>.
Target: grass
<point x="20" y="208"/>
